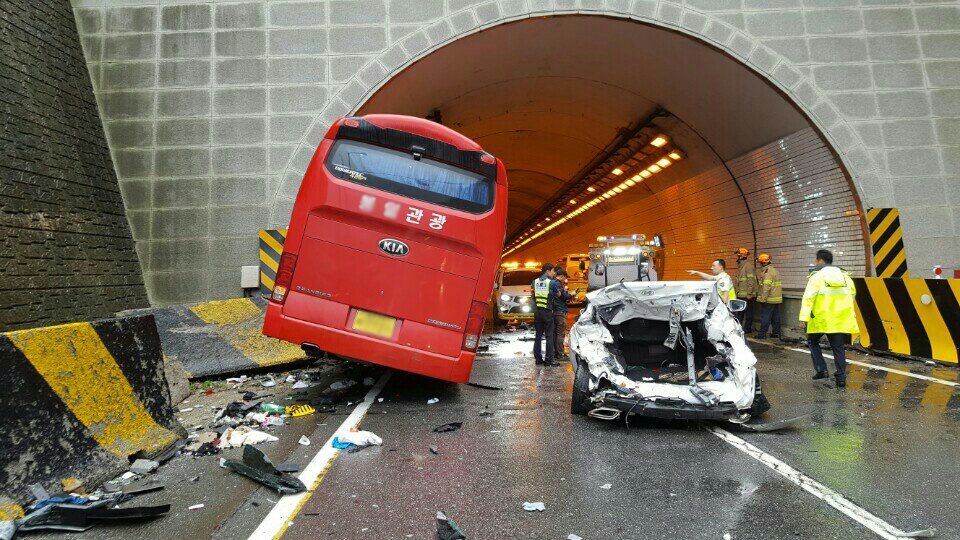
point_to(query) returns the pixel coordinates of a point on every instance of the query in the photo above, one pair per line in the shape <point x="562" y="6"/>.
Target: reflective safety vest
<point x="828" y="302"/>
<point x="746" y="280"/>
<point x="726" y="284"/>
<point x="771" y="288"/>
<point x="541" y="291"/>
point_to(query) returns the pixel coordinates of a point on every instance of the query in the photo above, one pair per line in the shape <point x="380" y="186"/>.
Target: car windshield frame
<point x="468" y="191"/>
<point x="517" y="281"/>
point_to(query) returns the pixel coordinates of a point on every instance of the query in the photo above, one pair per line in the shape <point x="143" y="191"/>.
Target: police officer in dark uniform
<point x="543" y="317"/>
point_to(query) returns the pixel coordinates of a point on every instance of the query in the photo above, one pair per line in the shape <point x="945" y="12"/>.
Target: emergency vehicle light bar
<point x="630" y="238"/>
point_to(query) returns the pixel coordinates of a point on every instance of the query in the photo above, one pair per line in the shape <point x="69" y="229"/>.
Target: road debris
<point x="195" y="507"/>
<point x="341" y="385"/>
<point x="431" y="401"/>
<point x="269" y="382"/>
<point x="258" y="467"/>
<point x="244" y="435"/>
<point x="447" y="528"/>
<point x="452" y="426"/>
<point x="140" y="466"/>
<point x="300" y="410"/>
<point x="534" y="506"/>
<point x="369" y="381"/>
<point x="140" y="488"/>
<point x="606" y="486"/>
<point x="573" y="537"/>
<point x="304" y="440"/>
<point x="288" y="467"/>
<point x="434" y="450"/>
<point x="82" y="517"/>
<point x="299" y="385"/>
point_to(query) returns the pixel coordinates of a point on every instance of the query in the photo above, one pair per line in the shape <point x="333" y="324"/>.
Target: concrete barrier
<point x="77" y="400"/>
<point x="914" y="317"/>
<point x="216" y="338"/>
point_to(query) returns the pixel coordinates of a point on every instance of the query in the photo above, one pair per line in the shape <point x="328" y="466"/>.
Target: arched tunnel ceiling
<point x="548" y="95"/>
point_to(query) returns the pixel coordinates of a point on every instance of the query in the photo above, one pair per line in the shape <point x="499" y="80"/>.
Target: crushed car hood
<point x="659" y="301"/>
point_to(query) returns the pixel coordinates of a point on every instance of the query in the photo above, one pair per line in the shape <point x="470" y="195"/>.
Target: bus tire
<point x="580" y="398"/>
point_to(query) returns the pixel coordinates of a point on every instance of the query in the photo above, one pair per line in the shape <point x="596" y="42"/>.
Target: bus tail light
<point x="471" y="337"/>
<point x="288" y="261"/>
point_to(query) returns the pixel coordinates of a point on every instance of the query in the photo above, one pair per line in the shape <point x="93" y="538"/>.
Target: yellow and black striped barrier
<point x="886" y="240"/>
<point x="914" y="317"/>
<point x="78" y="400"/>
<point x="271" y="247"/>
<point x="220" y="337"/>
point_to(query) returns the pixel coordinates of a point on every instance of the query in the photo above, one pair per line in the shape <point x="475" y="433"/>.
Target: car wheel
<point x="580" y="400"/>
<point x="498" y="322"/>
<point x="760" y="402"/>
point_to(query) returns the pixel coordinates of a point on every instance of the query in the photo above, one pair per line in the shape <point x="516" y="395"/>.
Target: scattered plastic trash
<point x="606" y="486"/>
<point x="259" y="468"/>
<point x="300" y="385"/>
<point x="379" y="400"/>
<point x="141" y="466"/>
<point x="304" y="440"/>
<point x="72" y="485"/>
<point x="431" y="401"/>
<point x="270" y="421"/>
<point x="60" y="500"/>
<point x="447" y="528"/>
<point x="369" y="381"/>
<point x="8" y="528"/>
<point x="352" y="403"/>
<point x="534" y="506"/>
<point x="360" y="438"/>
<point x="930" y="363"/>
<point x="272" y="408"/>
<point x="572" y="536"/>
<point x="337" y="443"/>
<point x="38" y="492"/>
<point x="452" y="426"/>
<point x="244" y="435"/>
<point x="188" y="409"/>
<point x="290" y="379"/>
<point x="300" y="410"/>
<point x="195" y="507"/>
<point x="268" y="382"/>
<point x="238" y="380"/>
<point x="128" y="475"/>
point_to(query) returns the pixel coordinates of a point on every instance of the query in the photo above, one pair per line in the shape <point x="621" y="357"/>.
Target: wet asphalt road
<point x="888" y="443"/>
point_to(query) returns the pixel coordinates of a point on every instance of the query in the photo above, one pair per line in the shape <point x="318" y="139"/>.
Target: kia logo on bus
<point x="394" y="248"/>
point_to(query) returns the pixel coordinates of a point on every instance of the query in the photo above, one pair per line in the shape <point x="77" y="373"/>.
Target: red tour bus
<point x="393" y="247"/>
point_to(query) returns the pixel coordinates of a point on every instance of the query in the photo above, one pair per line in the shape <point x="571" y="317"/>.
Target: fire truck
<point x="617" y="259"/>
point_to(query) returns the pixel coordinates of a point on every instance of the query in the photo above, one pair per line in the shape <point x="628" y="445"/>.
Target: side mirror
<point x="583" y="266"/>
<point x="598" y="270"/>
<point x="737" y="305"/>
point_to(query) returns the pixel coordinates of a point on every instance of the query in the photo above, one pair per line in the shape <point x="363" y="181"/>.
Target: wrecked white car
<point x="668" y="349"/>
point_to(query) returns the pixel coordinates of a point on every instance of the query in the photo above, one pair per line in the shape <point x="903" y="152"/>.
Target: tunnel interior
<point x="609" y="126"/>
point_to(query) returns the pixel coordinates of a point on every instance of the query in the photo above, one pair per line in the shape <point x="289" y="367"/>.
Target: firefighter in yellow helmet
<point x="746" y="287"/>
<point x="770" y="297"/>
<point x="828" y="309"/>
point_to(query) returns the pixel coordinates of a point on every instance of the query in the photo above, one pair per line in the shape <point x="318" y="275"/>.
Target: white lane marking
<point x="281" y="515"/>
<point x="891" y="370"/>
<point x="818" y="490"/>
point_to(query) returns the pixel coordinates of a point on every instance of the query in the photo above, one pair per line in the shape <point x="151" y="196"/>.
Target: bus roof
<point x="424" y="128"/>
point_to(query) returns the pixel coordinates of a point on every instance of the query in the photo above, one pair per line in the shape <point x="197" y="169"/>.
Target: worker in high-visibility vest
<point x="724" y="281"/>
<point x="543" y="316"/>
<point x="770" y="296"/>
<point x="746" y="288"/>
<point x="828" y="310"/>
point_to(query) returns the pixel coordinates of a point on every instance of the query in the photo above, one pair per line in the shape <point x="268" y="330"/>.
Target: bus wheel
<point x="580" y="400"/>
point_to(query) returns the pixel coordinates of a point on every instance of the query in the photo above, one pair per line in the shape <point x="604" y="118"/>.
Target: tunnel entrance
<point x="582" y="108"/>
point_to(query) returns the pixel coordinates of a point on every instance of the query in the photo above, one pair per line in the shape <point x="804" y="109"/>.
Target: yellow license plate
<point x="374" y="323"/>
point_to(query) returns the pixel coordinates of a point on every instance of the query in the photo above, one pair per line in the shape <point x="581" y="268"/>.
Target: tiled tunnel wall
<point x="66" y="252"/>
<point x="798" y="202"/>
<point x="208" y="105"/>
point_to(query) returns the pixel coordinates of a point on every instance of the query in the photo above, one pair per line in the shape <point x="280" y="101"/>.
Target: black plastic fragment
<point x="258" y="467"/>
<point x="452" y="426"/>
<point x="447" y="528"/>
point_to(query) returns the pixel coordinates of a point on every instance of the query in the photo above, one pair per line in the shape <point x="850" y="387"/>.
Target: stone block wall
<point x="213" y="109"/>
<point x="66" y="251"/>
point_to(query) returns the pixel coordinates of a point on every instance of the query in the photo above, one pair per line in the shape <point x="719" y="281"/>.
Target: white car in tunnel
<point x="666" y="350"/>
<point x="513" y="293"/>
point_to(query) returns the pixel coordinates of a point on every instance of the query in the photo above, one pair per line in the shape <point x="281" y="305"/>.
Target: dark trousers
<point x="543" y="324"/>
<point x="746" y="316"/>
<point x="837" y="342"/>
<point x="771" y="313"/>
<point x="559" y="331"/>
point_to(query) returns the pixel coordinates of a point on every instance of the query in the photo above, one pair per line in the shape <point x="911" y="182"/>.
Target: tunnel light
<point x="618" y="171"/>
<point x="548" y="219"/>
<point x="664" y="163"/>
<point x="607" y="196"/>
<point x="618" y="190"/>
<point x="591" y="189"/>
<point x="623" y="186"/>
<point x="654" y="168"/>
<point x="573" y="201"/>
<point x="636" y="178"/>
<point x="659" y="141"/>
<point x="676" y="156"/>
<point x="559" y="211"/>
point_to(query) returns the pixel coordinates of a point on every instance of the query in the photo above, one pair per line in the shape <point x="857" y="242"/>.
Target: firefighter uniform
<point x="543" y="320"/>
<point x="746" y="287"/>
<point x="828" y="309"/>
<point x="770" y="297"/>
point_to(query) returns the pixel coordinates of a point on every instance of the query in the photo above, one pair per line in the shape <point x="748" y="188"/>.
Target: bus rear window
<point x="399" y="173"/>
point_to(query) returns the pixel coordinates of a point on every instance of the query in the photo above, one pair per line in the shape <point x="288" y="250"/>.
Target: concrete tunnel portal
<point x="571" y="104"/>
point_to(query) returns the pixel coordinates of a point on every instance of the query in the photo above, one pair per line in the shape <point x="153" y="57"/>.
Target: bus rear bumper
<point x="366" y="348"/>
